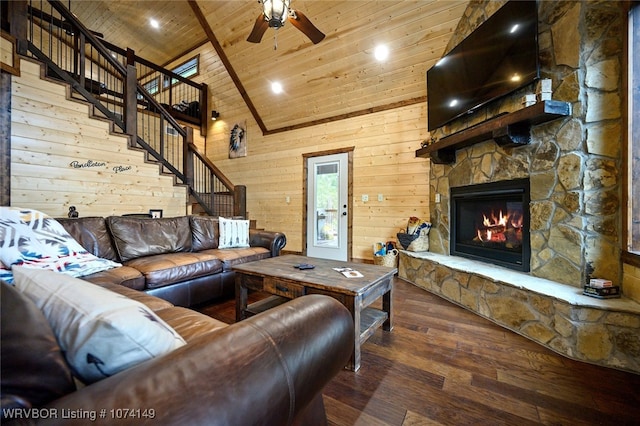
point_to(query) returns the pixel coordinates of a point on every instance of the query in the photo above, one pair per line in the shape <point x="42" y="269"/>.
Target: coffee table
<point x="278" y="276"/>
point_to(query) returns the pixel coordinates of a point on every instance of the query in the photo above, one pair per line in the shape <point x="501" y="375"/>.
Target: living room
<point x="382" y="136"/>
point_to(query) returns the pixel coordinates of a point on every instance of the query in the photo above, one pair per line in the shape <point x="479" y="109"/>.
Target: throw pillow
<point x="31" y="238"/>
<point x="101" y="332"/>
<point x="233" y="233"/>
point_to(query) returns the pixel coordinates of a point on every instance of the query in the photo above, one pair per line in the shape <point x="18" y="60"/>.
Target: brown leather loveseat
<point x="177" y="259"/>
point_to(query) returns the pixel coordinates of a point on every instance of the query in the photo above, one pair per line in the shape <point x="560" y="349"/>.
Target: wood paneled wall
<point x="60" y="156"/>
<point x="384" y="163"/>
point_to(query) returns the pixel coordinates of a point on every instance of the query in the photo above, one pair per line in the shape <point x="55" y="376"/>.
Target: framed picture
<point x="156" y="214"/>
<point x="238" y="140"/>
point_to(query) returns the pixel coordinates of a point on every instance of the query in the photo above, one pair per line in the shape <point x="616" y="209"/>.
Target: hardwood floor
<point x="442" y="364"/>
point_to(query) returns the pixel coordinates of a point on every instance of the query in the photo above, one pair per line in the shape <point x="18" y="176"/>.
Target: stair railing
<point x="108" y="80"/>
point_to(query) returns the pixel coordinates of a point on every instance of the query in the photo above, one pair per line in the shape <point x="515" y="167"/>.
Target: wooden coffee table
<point x="278" y="277"/>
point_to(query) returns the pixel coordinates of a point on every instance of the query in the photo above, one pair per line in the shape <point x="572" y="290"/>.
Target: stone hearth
<point x="602" y="332"/>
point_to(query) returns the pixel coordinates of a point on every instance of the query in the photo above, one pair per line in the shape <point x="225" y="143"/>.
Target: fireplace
<point x="490" y="222"/>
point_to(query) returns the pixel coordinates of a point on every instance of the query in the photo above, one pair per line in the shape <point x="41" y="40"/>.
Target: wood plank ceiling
<point x="339" y="77"/>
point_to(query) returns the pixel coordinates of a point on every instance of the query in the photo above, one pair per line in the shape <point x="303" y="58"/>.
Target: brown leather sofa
<point x="176" y="259"/>
<point x="269" y="369"/>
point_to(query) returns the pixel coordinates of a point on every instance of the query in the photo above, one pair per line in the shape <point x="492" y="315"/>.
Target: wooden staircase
<point x="109" y="79"/>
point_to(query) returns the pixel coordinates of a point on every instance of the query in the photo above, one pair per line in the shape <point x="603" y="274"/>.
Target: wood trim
<point x="225" y="61"/>
<point x="352" y="114"/>
<point x="631" y="258"/>
<point x="627" y="257"/>
<point x="349" y="151"/>
<point x="626" y="124"/>
<point x="627" y="148"/>
<point x="13" y="68"/>
<point x="328" y="152"/>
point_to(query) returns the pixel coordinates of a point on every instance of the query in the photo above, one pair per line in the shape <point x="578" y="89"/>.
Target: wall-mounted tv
<point x="500" y="56"/>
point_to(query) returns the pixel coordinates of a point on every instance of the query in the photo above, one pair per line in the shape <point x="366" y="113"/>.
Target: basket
<point x="414" y="242"/>
<point x="390" y="259"/>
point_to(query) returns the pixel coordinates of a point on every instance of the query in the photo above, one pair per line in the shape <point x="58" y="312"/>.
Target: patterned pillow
<point x="101" y="332"/>
<point x="31" y="238"/>
<point x="5" y="274"/>
<point x="233" y="233"/>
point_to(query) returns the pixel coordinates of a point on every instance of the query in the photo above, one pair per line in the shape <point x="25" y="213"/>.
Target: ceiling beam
<point x="225" y="61"/>
<point x="236" y="80"/>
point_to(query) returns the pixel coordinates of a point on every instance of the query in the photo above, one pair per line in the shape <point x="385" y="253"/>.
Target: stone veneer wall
<point x="574" y="164"/>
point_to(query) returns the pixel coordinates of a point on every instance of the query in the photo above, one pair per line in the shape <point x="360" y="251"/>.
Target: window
<point x="633" y="154"/>
<point x="187" y="69"/>
<point x="151" y="86"/>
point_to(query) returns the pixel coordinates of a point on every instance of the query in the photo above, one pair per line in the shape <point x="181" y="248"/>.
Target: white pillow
<point x="233" y="233"/>
<point x="100" y="331"/>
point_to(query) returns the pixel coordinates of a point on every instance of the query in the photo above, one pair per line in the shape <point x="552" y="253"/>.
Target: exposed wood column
<point x="5" y="139"/>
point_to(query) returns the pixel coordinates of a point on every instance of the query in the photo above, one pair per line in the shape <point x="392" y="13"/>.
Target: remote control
<point x="305" y="266"/>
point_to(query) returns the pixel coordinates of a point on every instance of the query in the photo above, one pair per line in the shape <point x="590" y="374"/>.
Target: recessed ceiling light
<point x="276" y="87"/>
<point x="381" y="52"/>
<point x="155" y="24"/>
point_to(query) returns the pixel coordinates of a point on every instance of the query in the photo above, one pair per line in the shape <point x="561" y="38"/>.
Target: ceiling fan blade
<point x="303" y="23"/>
<point x="258" y="30"/>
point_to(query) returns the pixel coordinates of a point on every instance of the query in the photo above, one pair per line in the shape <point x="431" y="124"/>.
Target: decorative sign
<point x="120" y="169"/>
<point x="91" y="163"/>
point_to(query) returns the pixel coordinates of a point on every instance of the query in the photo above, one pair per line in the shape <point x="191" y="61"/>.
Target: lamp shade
<point x="275" y="12"/>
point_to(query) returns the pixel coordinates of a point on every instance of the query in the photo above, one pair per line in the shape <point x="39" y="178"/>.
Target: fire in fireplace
<point x="490" y="222"/>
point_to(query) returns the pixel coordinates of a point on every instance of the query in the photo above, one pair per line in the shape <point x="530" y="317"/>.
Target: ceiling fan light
<point x="276" y="12"/>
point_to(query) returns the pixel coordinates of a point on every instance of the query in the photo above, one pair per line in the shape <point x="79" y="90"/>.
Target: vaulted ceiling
<point x="338" y="77"/>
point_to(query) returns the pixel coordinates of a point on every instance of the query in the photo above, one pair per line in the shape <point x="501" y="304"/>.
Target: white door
<point x="327" y="198"/>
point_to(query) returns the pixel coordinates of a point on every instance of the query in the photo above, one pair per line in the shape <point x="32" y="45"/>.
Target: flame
<point x="496" y="225"/>
<point x="501" y="220"/>
<point x="517" y="223"/>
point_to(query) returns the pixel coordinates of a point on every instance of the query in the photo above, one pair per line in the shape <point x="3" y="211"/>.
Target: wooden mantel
<point x="510" y="129"/>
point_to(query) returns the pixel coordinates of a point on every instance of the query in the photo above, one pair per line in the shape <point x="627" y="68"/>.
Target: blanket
<point x="32" y="239"/>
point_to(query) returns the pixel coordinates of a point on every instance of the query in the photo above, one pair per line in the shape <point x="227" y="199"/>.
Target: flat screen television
<point x="498" y="57"/>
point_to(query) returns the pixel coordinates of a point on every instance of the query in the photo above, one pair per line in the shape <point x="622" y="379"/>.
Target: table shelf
<point x="370" y="320"/>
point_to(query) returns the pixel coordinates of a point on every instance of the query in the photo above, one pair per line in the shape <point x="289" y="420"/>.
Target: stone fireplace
<point x="574" y="169"/>
<point x="573" y="163"/>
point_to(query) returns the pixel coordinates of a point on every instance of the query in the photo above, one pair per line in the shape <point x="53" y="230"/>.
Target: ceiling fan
<point x="275" y="13"/>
